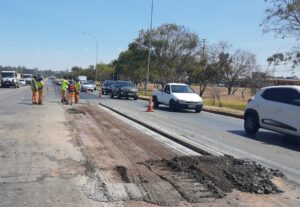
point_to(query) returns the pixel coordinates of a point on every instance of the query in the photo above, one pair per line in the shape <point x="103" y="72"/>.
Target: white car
<point x="22" y="82"/>
<point x="87" y="86"/>
<point x="178" y="96"/>
<point x="276" y="108"/>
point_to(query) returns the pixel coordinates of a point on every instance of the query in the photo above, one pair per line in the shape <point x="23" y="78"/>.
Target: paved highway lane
<point x="223" y="133"/>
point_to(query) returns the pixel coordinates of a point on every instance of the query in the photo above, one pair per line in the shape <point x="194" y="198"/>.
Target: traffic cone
<point x="150" y="106"/>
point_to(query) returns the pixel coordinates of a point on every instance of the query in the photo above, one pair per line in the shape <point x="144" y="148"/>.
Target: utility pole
<point x="149" y="49"/>
<point x="203" y="47"/>
<point x="97" y="43"/>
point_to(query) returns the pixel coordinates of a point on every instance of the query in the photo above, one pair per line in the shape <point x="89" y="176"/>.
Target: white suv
<point x="276" y="108"/>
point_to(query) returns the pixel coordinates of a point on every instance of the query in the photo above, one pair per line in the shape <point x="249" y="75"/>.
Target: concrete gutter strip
<point x="215" y="110"/>
<point x="197" y="147"/>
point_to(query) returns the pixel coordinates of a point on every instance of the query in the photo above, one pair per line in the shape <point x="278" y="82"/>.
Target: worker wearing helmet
<point x="77" y="90"/>
<point x="40" y="86"/>
<point x="34" y="90"/>
<point x="63" y="87"/>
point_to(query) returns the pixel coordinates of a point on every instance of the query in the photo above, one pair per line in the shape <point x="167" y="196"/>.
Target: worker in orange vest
<point x="71" y="92"/>
<point x="77" y="90"/>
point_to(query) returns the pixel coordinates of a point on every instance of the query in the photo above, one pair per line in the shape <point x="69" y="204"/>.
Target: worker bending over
<point x="34" y="90"/>
<point x="40" y="86"/>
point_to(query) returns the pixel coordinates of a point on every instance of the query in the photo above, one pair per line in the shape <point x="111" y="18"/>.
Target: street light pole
<point x="149" y="49"/>
<point x="97" y="43"/>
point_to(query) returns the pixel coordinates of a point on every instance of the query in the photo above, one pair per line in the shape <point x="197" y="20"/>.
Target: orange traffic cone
<point x="150" y="106"/>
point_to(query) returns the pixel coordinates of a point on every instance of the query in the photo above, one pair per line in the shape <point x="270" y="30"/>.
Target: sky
<point x="53" y="34"/>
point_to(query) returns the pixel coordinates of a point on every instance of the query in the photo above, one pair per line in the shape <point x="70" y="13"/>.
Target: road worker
<point x="63" y="87"/>
<point x="77" y="90"/>
<point x="71" y="89"/>
<point x="34" y="90"/>
<point x="40" y="85"/>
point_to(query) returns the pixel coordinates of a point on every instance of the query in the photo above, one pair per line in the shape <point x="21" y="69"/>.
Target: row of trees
<point x="178" y="55"/>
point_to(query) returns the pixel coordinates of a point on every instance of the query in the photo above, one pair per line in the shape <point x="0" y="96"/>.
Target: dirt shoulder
<point x="128" y="166"/>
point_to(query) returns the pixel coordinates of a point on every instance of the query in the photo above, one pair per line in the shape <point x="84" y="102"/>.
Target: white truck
<point x="10" y="78"/>
<point x="82" y="78"/>
<point x="27" y="78"/>
<point x="178" y="96"/>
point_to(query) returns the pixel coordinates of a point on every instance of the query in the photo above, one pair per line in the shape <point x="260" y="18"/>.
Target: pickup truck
<point x="178" y="96"/>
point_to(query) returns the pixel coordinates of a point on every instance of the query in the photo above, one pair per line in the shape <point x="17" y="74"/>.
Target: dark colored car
<point x="106" y="87"/>
<point x="124" y="89"/>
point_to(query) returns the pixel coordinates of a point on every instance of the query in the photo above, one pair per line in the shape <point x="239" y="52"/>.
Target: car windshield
<point x="7" y="75"/>
<point x="108" y="83"/>
<point x="182" y="89"/>
<point x="126" y="84"/>
<point x="26" y="76"/>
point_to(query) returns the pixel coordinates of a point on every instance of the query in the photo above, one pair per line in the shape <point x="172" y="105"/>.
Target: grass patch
<point x="148" y="93"/>
<point x="230" y="104"/>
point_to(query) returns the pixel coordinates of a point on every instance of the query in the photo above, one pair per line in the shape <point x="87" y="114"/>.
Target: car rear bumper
<point x="129" y="94"/>
<point x="197" y="106"/>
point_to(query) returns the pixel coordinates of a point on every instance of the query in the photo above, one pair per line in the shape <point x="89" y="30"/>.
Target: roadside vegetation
<point x="178" y="54"/>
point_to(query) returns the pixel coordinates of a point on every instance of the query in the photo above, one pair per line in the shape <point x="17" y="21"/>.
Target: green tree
<point x="173" y="48"/>
<point x="283" y="18"/>
<point x="131" y="64"/>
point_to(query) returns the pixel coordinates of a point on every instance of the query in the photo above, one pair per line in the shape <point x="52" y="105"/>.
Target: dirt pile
<point x="220" y="174"/>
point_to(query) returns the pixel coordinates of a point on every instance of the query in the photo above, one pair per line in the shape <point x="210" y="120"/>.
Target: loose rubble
<point x="222" y="174"/>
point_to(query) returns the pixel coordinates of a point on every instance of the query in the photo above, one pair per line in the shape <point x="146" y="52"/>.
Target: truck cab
<point x="9" y="78"/>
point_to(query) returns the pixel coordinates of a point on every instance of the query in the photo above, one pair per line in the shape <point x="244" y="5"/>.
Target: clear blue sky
<point x="47" y="34"/>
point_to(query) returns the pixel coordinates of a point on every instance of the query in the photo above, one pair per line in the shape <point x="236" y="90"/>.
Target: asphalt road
<point x="223" y="133"/>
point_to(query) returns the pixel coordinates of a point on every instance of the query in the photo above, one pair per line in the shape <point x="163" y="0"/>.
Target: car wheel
<point x="136" y="97"/>
<point x="112" y="95"/>
<point x="127" y="97"/>
<point x="155" y="102"/>
<point x="103" y="93"/>
<point x="119" y="95"/>
<point x="198" y="110"/>
<point x="173" y="105"/>
<point x="251" y="124"/>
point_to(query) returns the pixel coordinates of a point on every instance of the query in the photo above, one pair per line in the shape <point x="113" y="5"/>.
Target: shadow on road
<point x="167" y="109"/>
<point x="272" y="138"/>
<point x="26" y="103"/>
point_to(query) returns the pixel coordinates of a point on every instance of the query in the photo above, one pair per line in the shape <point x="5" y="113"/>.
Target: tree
<point x="208" y="70"/>
<point x="173" y="48"/>
<point x="236" y="66"/>
<point x="131" y="64"/>
<point x="105" y="71"/>
<point x="283" y="18"/>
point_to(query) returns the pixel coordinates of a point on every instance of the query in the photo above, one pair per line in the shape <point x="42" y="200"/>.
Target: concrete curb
<point x="197" y="147"/>
<point x="215" y="110"/>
